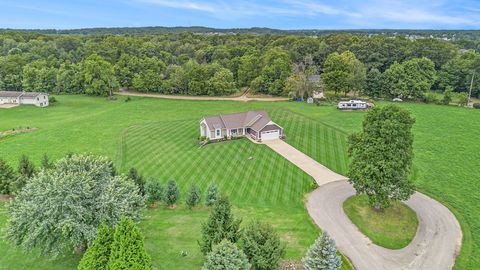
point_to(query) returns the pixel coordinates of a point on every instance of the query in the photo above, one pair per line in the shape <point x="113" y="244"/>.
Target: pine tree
<point x="153" y="191"/>
<point x="127" y="250"/>
<point x="221" y="225"/>
<point x="138" y="179"/>
<point x="262" y="246"/>
<point x="193" y="196"/>
<point x="25" y="170"/>
<point x="172" y="194"/>
<point x="46" y="164"/>
<point x="322" y="255"/>
<point x="212" y="194"/>
<point x="226" y="256"/>
<point x="7" y="175"/>
<point x="98" y="253"/>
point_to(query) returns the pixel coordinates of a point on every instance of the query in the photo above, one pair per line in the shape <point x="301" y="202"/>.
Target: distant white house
<point x="352" y="105"/>
<point x="16" y="97"/>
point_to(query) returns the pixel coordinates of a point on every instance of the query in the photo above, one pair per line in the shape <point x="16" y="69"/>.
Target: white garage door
<point x="270" y="135"/>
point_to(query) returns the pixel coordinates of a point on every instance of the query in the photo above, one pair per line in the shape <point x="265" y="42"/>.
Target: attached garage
<point x="270" y="135"/>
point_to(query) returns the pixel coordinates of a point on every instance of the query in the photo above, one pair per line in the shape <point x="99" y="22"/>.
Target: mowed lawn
<point x="159" y="138"/>
<point x="447" y="155"/>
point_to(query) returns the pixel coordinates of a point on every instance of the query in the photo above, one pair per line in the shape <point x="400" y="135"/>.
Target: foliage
<point x="373" y="83"/>
<point x="226" y="255"/>
<point x="46" y="163"/>
<point x="98" y="253"/>
<point x="172" y="193"/>
<point x="73" y="198"/>
<point x="462" y="99"/>
<point x="476" y="105"/>
<point x="262" y="246"/>
<point x="220" y="225"/>
<point x="137" y="179"/>
<point x="7" y="175"/>
<point x="153" y="191"/>
<point x="344" y="72"/>
<point x="212" y="194"/>
<point x="381" y="156"/>
<point x="127" y="250"/>
<point x="25" y="171"/>
<point x="322" y="255"/>
<point x="447" y="95"/>
<point x="99" y="76"/>
<point x="193" y="195"/>
<point x="430" y="97"/>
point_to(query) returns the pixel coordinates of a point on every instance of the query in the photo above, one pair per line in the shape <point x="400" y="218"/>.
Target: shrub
<point x="202" y="138"/>
<point x="430" y="97"/>
<point x="46" y="164"/>
<point x="7" y="175"/>
<point x="447" y="95"/>
<point x="322" y="255"/>
<point x="212" y="194"/>
<point x="127" y="250"/>
<point x="128" y="99"/>
<point x="172" y="194"/>
<point x="138" y="179"/>
<point x="462" y="99"/>
<point x="476" y="105"/>
<point x="153" y="191"/>
<point x="193" y="196"/>
<point x="91" y="190"/>
<point x="226" y="256"/>
<point x="25" y="171"/>
<point x="262" y="246"/>
<point x="98" y="253"/>
<point x="220" y="225"/>
<point x="52" y="99"/>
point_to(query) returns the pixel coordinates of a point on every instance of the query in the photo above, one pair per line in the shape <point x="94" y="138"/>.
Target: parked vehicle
<point x="352" y="105"/>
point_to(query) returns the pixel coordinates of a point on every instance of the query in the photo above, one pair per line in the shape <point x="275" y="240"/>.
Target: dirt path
<point x="243" y="97"/>
<point x="435" y="246"/>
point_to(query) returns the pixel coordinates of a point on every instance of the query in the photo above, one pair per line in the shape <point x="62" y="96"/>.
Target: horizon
<point x="241" y="14"/>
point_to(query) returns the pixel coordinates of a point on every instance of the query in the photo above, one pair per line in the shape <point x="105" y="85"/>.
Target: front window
<point x="218" y="132"/>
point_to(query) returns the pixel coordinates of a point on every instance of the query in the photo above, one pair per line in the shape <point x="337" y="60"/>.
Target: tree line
<point x="192" y="64"/>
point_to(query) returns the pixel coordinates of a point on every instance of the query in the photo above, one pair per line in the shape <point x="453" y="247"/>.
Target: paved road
<point x="435" y="245"/>
<point x="243" y="97"/>
<point x="320" y="173"/>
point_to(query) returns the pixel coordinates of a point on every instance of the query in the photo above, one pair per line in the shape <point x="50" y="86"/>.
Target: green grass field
<point x="159" y="138"/>
<point x="393" y="228"/>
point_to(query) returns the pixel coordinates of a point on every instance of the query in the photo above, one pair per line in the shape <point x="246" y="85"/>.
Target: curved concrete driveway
<point x="435" y="246"/>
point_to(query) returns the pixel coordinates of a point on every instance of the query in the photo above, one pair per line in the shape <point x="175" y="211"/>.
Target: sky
<point x="280" y="14"/>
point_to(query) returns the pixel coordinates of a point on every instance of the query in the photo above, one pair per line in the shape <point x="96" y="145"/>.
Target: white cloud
<point x="182" y="5"/>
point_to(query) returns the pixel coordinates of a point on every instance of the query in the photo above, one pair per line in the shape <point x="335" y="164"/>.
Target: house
<point x="352" y="105"/>
<point x="256" y="124"/>
<point x="16" y="97"/>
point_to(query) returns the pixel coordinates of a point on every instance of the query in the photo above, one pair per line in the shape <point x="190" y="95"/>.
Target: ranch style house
<point x="256" y="124"/>
<point x="17" y="98"/>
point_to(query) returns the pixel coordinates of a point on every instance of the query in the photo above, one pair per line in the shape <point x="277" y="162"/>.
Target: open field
<point x="159" y="137"/>
<point x="393" y="228"/>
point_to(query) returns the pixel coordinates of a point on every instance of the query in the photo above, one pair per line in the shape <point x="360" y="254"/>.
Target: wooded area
<point x="201" y="64"/>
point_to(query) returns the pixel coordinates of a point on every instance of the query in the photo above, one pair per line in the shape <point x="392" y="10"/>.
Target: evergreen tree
<point x="138" y="179"/>
<point x="212" y="194"/>
<point x="25" y="171"/>
<point x="172" y="193"/>
<point x="153" y="191"/>
<point x="98" y="253"/>
<point x="381" y="156"/>
<point x="220" y="225"/>
<point x="46" y="164"/>
<point x="127" y="250"/>
<point x="262" y="246"/>
<point x="193" y="196"/>
<point x="7" y="175"/>
<point x="322" y="255"/>
<point x="226" y="256"/>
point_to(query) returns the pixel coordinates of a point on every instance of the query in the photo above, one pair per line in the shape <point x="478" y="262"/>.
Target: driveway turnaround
<point x="243" y="97"/>
<point x="435" y="246"/>
<point x="320" y="173"/>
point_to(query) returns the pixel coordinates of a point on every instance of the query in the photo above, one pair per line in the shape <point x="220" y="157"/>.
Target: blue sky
<point x="282" y="14"/>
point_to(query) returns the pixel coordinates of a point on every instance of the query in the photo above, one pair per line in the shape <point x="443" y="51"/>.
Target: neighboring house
<point x="352" y="105"/>
<point x="256" y="124"/>
<point x="15" y="97"/>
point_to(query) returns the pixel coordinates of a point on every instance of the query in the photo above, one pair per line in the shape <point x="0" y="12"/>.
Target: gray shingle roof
<point x="255" y="120"/>
<point x="19" y="94"/>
